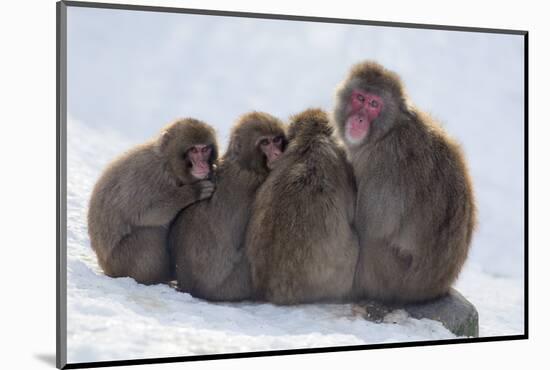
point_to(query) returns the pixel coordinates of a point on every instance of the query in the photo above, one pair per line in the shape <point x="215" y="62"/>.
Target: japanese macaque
<point x="141" y="192"/>
<point x="415" y="210"/>
<point x="300" y="241"/>
<point x="207" y="239"/>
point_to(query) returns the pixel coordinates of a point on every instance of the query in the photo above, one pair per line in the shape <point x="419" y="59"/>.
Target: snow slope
<point x="115" y="319"/>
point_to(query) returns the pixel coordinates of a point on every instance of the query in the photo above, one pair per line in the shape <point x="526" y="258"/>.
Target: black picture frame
<point x="61" y="188"/>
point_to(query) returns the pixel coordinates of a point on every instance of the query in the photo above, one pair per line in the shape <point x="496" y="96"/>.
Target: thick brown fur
<point x="139" y="194"/>
<point x="207" y="238"/>
<point x="415" y="209"/>
<point x="300" y="242"/>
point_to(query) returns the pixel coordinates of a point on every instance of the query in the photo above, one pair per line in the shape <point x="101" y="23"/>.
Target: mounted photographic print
<point x="237" y="184"/>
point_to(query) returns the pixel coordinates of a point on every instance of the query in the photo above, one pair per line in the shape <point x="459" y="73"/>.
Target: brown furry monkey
<point x="300" y="242"/>
<point x="415" y="206"/>
<point x="207" y="238"/>
<point x="140" y="193"/>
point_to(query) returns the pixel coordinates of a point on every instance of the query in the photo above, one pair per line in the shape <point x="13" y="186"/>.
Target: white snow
<point x="129" y="73"/>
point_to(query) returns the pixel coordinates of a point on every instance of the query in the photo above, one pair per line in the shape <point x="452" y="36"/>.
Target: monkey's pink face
<point x="199" y="156"/>
<point x="363" y="109"/>
<point x="271" y="147"/>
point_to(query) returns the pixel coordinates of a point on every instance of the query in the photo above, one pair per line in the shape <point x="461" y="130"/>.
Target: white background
<point x="28" y="74"/>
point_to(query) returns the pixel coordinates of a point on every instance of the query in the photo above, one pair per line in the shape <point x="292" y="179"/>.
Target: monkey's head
<point x="309" y="123"/>
<point x="189" y="148"/>
<point x="367" y="103"/>
<point x="257" y="140"/>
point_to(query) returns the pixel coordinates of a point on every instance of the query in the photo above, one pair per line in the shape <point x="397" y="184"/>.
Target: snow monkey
<point x="300" y="241"/>
<point x="415" y="209"/>
<point x="207" y="239"/>
<point x="140" y="193"/>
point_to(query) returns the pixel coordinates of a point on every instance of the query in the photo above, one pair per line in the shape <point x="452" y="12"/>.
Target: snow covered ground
<point x="129" y="73"/>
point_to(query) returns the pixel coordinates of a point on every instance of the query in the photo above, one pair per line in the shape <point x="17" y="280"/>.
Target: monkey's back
<point x="300" y="243"/>
<point x="117" y="197"/>
<point x="414" y="197"/>
<point x="207" y="237"/>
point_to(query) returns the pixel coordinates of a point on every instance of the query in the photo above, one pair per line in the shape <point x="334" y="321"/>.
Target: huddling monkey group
<point x="374" y="202"/>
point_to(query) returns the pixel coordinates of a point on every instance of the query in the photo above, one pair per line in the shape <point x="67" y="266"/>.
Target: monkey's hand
<point x="194" y="192"/>
<point x="204" y="189"/>
<point x="167" y="207"/>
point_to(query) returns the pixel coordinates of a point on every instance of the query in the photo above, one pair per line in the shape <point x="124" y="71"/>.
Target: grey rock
<point x="454" y="311"/>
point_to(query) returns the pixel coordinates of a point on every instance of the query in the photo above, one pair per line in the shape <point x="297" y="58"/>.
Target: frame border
<point x="61" y="188"/>
<point x="61" y="185"/>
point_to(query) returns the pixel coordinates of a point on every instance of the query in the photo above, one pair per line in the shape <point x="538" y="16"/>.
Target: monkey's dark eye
<point x="194" y="150"/>
<point x="361" y="98"/>
<point x="277" y="139"/>
<point x="264" y="142"/>
<point x="374" y="103"/>
<point x="206" y="149"/>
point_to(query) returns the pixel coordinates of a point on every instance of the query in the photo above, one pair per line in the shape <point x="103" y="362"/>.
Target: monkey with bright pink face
<point x="367" y="103"/>
<point x="363" y="108"/>
<point x="415" y="210"/>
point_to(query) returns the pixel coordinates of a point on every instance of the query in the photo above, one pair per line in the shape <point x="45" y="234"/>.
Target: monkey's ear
<point x="162" y="142"/>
